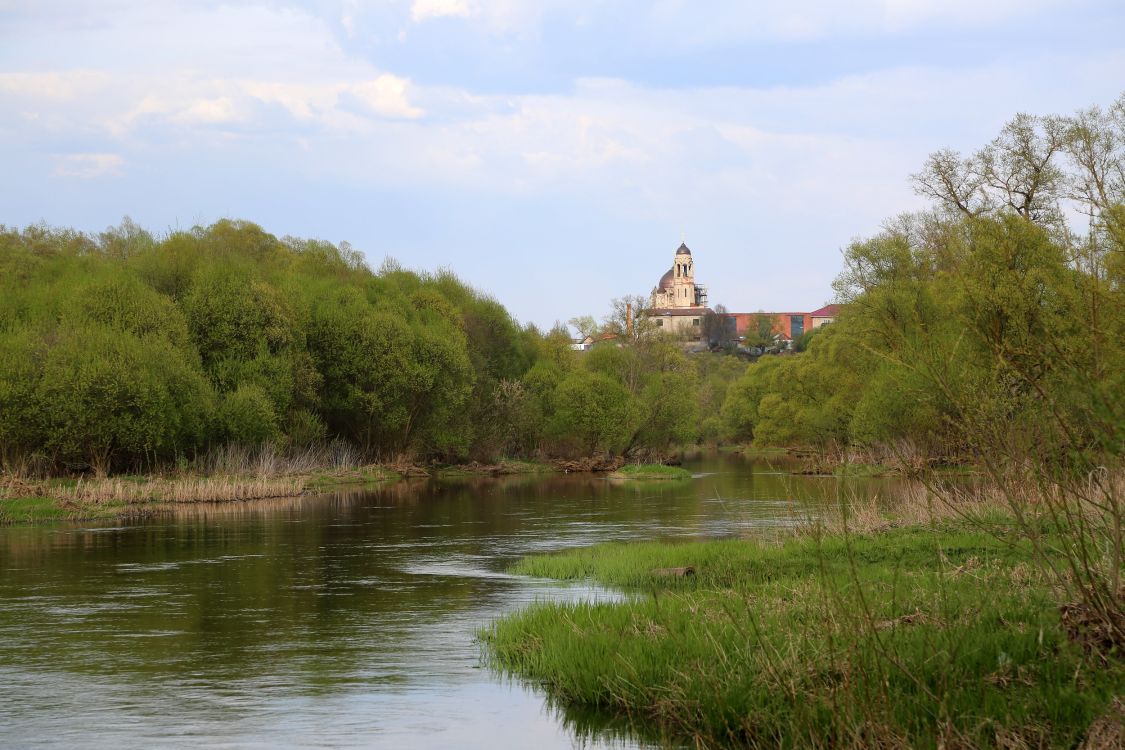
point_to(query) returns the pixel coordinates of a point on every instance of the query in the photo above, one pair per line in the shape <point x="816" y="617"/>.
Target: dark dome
<point x="683" y="250"/>
<point x="665" y="280"/>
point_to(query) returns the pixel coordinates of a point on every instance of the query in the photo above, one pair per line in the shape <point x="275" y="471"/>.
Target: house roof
<point x="828" y="311"/>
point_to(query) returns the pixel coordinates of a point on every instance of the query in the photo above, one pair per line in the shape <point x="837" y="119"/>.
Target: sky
<point x="552" y="153"/>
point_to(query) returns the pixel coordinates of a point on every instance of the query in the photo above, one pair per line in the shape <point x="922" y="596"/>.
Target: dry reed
<point x="188" y="490"/>
<point x="269" y="461"/>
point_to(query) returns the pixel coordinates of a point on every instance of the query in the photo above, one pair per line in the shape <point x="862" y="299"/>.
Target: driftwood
<point x="683" y="572"/>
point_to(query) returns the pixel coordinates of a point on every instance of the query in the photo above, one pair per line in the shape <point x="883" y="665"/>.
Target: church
<point x="678" y="304"/>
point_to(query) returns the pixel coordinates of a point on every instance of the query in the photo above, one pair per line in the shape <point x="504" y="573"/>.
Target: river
<point x="339" y="620"/>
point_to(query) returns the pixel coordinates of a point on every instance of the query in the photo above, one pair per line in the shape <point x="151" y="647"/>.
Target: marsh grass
<point x="650" y="472"/>
<point x="269" y="460"/>
<point x="230" y="473"/>
<point x="940" y="635"/>
<point x="32" y="508"/>
<point x="181" y="490"/>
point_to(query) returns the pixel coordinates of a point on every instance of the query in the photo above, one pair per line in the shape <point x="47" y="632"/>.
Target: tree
<point x="585" y="325"/>
<point x="622" y="309"/>
<point x="952" y="181"/>
<point x="719" y="328"/>
<point x="668" y="411"/>
<point x="593" y="413"/>
<point x="106" y="398"/>
<point x="759" y="330"/>
<point x="1017" y="171"/>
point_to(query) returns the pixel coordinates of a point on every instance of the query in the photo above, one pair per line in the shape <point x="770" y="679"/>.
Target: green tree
<point x="593" y="413"/>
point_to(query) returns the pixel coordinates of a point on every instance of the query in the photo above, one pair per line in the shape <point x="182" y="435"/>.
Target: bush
<point x="247" y="416"/>
<point x="93" y="396"/>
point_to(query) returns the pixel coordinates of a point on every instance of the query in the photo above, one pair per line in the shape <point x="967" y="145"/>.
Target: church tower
<point x="678" y="304"/>
<point x="677" y="288"/>
<point x="683" y="278"/>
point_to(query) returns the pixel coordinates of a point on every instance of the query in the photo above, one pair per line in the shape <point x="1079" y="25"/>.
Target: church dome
<point x="665" y="280"/>
<point x="683" y="250"/>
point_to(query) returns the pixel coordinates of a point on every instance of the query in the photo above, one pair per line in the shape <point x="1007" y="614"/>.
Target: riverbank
<point x="853" y="462"/>
<point x="903" y="632"/>
<point x="63" y="499"/>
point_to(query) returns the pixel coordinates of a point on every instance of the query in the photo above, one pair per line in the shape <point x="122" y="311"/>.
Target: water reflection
<point x="341" y="620"/>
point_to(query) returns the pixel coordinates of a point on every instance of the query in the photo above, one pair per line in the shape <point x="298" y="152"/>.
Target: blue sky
<point x="550" y="152"/>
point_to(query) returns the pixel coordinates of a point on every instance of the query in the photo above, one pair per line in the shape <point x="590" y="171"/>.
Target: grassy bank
<point x="231" y="477"/>
<point x="913" y="636"/>
<point x="24" y="501"/>
<point x="650" y="472"/>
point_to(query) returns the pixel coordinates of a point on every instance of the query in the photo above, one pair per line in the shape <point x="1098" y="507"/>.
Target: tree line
<point x="988" y="320"/>
<point x="988" y="314"/>
<point x="121" y="351"/>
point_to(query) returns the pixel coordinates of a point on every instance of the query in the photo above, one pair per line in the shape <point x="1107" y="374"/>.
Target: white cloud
<point x="687" y="23"/>
<point x="213" y="111"/>
<point x="387" y="95"/>
<point x="87" y="166"/>
<point x="53" y="85"/>
<point x="424" y="10"/>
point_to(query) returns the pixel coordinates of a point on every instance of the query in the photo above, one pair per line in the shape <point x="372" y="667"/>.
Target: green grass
<point x="915" y="637"/>
<point x="864" y="470"/>
<point x="759" y="452"/>
<point x="651" y="472"/>
<point x="324" y="481"/>
<point x="48" y="509"/>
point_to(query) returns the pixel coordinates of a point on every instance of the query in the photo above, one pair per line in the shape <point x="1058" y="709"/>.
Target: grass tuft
<point x="650" y="472"/>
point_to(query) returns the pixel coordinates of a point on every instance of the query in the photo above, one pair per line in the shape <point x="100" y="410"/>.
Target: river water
<point x="339" y="620"/>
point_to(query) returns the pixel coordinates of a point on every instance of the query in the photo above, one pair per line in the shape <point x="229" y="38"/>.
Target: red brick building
<point x="789" y="325"/>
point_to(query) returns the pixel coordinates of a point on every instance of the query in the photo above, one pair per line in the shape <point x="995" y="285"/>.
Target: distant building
<point x="678" y="304"/>
<point x="784" y="326"/>
<point x="824" y="315"/>
<point x="585" y="344"/>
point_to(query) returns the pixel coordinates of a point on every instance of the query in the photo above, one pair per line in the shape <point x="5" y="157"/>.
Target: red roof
<point x="828" y="311"/>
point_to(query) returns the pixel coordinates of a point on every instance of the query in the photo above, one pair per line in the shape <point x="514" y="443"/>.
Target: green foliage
<point x="593" y="413"/>
<point x="304" y="428"/>
<point x="668" y="410"/>
<point x="513" y="425"/>
<point x="817" y="642"/>
<point x="235" y="317"/>
<point x="247" y="417"/>
<point x="956" y="332"/>
<point x="124" y="351"/>
<point x="740" y="409"/>
<point x="651" y="472"/>
<point x="88" y="394"/>
<point x="225" y="333"/>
